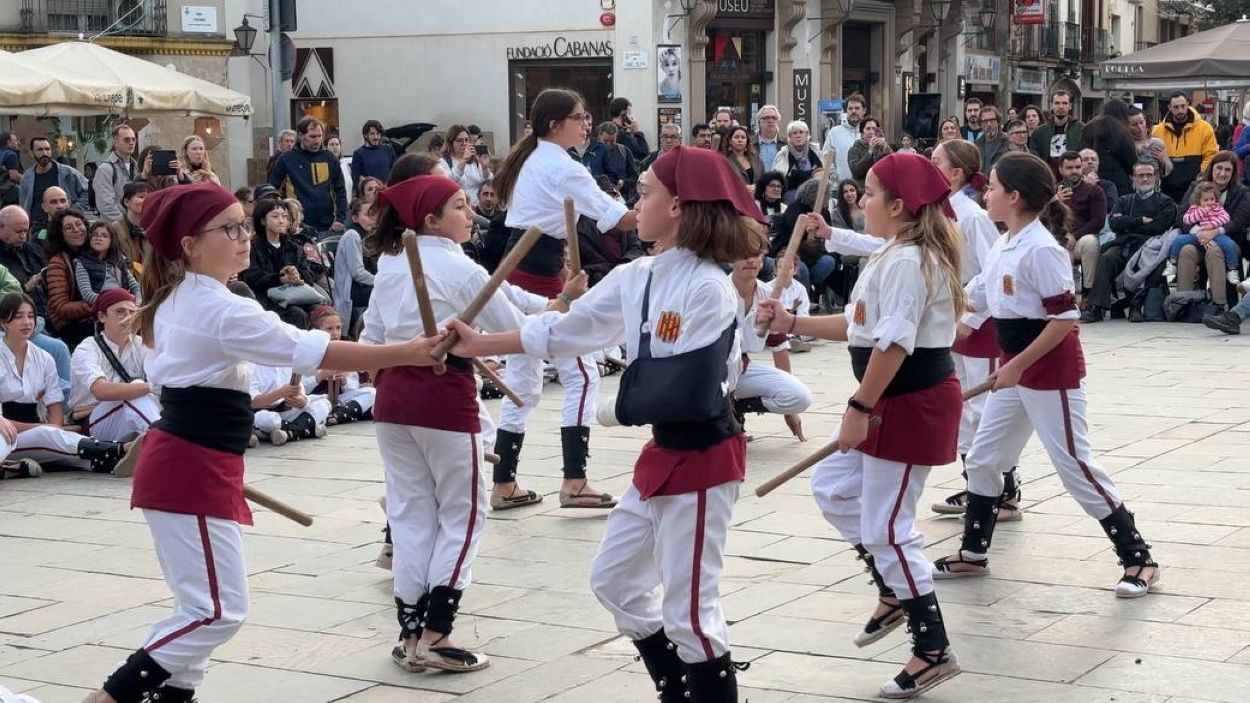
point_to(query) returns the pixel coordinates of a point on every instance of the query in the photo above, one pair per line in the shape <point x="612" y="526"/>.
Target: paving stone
<point x="1173" y="676"/>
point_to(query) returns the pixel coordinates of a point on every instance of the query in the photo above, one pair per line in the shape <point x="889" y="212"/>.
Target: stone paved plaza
<point x="79" y="583"/>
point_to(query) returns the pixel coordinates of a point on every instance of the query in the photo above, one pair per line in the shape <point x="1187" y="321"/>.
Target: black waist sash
<point x="21" y="412"/>
<point x="924" y="368"/>
<point x="216" y="418"/>
<point x="545" y="259"/>
<point x="1015" y="335"/>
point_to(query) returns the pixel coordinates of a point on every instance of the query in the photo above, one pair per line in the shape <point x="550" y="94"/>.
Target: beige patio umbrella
<point x="153" y="89"/>
<point x="32" y="88"/>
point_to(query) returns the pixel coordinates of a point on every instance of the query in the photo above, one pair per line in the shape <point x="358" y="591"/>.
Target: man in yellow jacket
<point x="1190" y="143"/>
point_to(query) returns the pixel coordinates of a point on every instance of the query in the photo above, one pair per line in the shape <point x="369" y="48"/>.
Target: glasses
<point x="989" y="119"/>
<point x="579" y="117"/>
<point x="462" y="140"/>
<point x="100" y="235"/>
<point x="1144" y="176"/>
<point x="234" y="230"/>
<point x="1018" y="133"/>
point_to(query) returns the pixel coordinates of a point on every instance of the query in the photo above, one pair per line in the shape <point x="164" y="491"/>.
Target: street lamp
<point x="939" y="8"/>
<point x="987" y="15"/>
<point x="245" y="36"/>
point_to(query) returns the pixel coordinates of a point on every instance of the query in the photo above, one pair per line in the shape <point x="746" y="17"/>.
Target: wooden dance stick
<point x="827" y="450"/>
<point x="415" y="267"/>
<point x="492" y="458"/>
<point x="267" y="501"/>
<point x="294" y="380"/>
<point x="506" y="267"/>
<point x="784" y="268"/>
<point x="332" y="391"/>
<point x="489" y="374"/>
<point x="570" y="225"/>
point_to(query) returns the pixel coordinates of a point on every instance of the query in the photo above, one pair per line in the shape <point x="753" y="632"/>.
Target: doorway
<point x="590" y="77"/>
<point x="735" y="72"/>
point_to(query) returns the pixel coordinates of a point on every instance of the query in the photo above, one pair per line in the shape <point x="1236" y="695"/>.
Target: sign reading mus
<point x="562" y="48"/>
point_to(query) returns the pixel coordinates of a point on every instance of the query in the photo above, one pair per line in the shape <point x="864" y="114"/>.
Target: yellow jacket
<point x="1197" y="138"/>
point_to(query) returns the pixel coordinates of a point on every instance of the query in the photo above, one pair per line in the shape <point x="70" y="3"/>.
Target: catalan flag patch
<point x="861" y="313"/>
<point x="668" y="329"/>
<point x="1009" y="286"/>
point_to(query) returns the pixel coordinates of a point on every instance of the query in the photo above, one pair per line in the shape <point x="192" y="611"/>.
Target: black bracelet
<point x="852" y="402"/>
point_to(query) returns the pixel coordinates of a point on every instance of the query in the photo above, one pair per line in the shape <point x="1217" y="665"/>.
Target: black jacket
<point x="636" y="142"/>
<point x="599" y="250"/>
<point x="1116" y="152"/>
<point x="493" y="239"/>
<point x="268" y="262"/>
<point x="1128" y="215"/>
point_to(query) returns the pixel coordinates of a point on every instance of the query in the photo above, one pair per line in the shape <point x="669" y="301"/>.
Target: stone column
<point x="700" y="16"/>
<point x="830" y="55"/>
<point x="789" y="14"/>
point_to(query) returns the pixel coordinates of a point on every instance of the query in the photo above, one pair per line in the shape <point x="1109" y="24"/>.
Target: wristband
<point x="563" y="298"/>
<point x="853" y="403"/>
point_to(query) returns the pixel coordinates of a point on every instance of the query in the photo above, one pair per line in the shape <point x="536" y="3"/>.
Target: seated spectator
<point x="603" y="251"/>
<point x="44" y="174"/>
<point x="606" y="157"/>
<point x="24" y="259"/>
<point x="740" y="152"/>
<point x="870" y="148"/>
<point x="308" y="239"/>
<point x="1205" y="214"/>
<point x="370" y="187"/>
<point x="846" y="211"/>
<point x="1135" y="217"/>
<point x="351" y="399"/>
<point x="1088" y="205"/>
<point x="768" y="191"/>
<point x="282" y="411"/>
<point x="102" y="266"/>
<point x="815" y="264"/>
<point x="69" y="313"/>
<point x="799" y="161"/>
<point x="194" y="165"/>
<point x="128" y="232"/>
<point x="1090" y="163"/>
<point x="1222" y="262"/>
<point x="353" y="275"/>
<point x="906" y="144"/>
<point x="54" y="201"/>
<point x="110" y="393"/>
<point x="278" y="263"/>
<point x="247" y="198"/>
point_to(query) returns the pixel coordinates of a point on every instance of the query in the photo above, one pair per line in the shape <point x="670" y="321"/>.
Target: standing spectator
<point x="312" y="175"/>
<point x="468" y="168"/>
<point x="906" y="144"/>
<point x="1149" y="148"/>
<point x="68" y="313"/>
<point x="1190" y="144"/>
<point x="841" y="137"/>
<point x="373" y="159"/>
<point x="334" y="145"/>
<point x="767" y="139"/>
<point x="670" y="136"/>
<point x="1017" y="136"/>
<point x="948" y="129"/>
<point x="1012" y="114"/>
<point x="353" y="277"/>
<point x="1109" y="135"/>
<point x="194" y="163"/>
<point x="10" y="168"/>
<point x="116" y="171"/>
<point x="870" y="148"/>
<point x="146" y="175"/>
<point x="131" y="239"/>
<point x="45" y="173"/>
<point x="798" y="161"/>
<point x="628" y="133"/>
<point x="608" y="158"/>
<point x="993" y="143"/>
<point x="1135" y="217"/>
<point x="434" y="147"/>
<point x="1241" y="141"/>
<point x="286" y="142"/>
<point x="972" y="129"/>
<point x="1032" y="116"/>
<point x="738" y="149"/>
<point x="1062" y="132"/>
<point x="722" y="119"/>
<point x="701" y="136"/>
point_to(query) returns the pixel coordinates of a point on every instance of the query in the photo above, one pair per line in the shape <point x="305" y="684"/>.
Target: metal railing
<point x="1095" y="45"/>
<point x="1036" y="42"/>
<point x="89" y="17"/>
<point x="1071" y="41"/>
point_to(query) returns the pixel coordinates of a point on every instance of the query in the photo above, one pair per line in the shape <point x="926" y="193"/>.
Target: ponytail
<point x="510" y="169"/>
<point x="1032" y="178"/>
<point x="939" y="242"/>
<point x="160" y="277"/>
<point x="1057" y="218"/>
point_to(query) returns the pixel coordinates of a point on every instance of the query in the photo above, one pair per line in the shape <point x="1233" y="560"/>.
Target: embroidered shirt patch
<point x="1009" y="286"/>
<point x="668" y="329"/>
<point x="861" y="313"/>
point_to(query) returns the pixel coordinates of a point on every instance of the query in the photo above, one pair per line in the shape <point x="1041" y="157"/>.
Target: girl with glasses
<point x="102" y="266"/>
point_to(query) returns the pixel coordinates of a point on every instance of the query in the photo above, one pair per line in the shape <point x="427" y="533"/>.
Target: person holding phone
<point x="629" y="132"/>
<point x="158" y="167"/>
<point x="467" y="161"/>
<point x="870" y="148"/>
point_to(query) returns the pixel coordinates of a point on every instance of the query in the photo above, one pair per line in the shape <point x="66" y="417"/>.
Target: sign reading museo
<point x="562" y="48"/>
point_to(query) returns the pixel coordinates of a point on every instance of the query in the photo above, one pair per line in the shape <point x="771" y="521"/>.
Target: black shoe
<point x="169" y="694"/>
<point x="1092" y="314"/>
<point x="1226" y="322"/>
<point x="1136" y="314"/>
<point x="303" y="426"/>
<point x="714" y="681"/>
<point x="102" y="455"/>
<point x="659" y="655"/>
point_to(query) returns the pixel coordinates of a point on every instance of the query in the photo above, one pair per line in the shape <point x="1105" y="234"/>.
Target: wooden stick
<point x="267" y="501"/>
<point x="332" y="391"/>
<point x="492" y="458"/>
<point x="295" y="380"/>
<point x="506" y="267"/>
<point x="570" y="224"/>
<point x="770" y="485"/>
<point x="489" y="374"/>
<point x="784" y="266"/>
<point x="428" y="323"/>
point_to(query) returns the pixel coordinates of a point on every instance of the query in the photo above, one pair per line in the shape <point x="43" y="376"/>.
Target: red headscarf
<point x="109" y="298"/>
<point x="702" y="175"/>
<point x="181" y="211"/>
<point x="417" y="197"/>
<point x="915" y="180"/>
<point x="319" y="312"/>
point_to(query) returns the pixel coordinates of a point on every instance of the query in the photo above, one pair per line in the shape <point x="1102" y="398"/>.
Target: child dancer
<point x="109" y="384"/>
<point x="28" y="384"/>
<point x="1206" y="212"/>
<point x="189" y="481"/>
<point x="1027" y="287"/>
<point x="899" y="323"/>
<point x="355" y="401"/>
<point x="676" y="313"/>
<point x="282" y="411"/>
<point x="102" y="266"/>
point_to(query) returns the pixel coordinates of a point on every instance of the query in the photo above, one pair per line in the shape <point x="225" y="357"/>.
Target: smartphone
<point x="481" y="150"/>
<point x="161" y="159"/>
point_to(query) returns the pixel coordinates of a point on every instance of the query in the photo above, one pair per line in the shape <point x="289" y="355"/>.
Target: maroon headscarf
<point x="702" y="175"/>
<point x="181" y="211"/>
<point x="915" y="180"/>
<point x="416" y="197"/>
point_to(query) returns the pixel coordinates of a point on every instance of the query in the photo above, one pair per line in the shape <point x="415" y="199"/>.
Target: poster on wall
<point x="668" y="72"/>
<point x="1029" y="12"/>
<point x="666" y="115"/>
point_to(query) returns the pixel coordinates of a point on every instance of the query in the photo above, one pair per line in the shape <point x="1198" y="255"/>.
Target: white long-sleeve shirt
<point x="893" y="303"/>
<point x="470" y="175"/>
<point x="1020" y="274"/>
<point x="979" y="233"/>
<point x="89" y="364"/>
<point x="549" y="174"/>
<point x="38" y="382"/>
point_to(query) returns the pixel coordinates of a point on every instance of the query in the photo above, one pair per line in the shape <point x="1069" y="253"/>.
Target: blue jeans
<point x="1242" y="308"/>
<point x="59" y="352"/>
<point x="1232" y="255"/>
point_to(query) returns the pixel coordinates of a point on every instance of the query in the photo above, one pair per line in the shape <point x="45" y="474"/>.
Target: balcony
<point x="1071" y="41"/>
<point x="121" y="17"/>
<point x="1095" y="45"/>
<point x="1037" y="42"/>
<point x="1140" y="45"/>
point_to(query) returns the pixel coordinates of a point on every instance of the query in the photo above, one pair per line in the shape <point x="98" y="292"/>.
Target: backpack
<point x="1188" y="306"/>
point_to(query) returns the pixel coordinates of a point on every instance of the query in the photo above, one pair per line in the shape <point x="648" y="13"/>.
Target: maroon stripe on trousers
<point x="468" y="533"/>
<point x="1067" y="430"/>
<point x="89" y="424"/>
<point x="898" y="504"/>
<point x="581" y="404"/>
<point x="696" y="571"/>
<point x="138" y="412"/>
<point x="211" y="568"/>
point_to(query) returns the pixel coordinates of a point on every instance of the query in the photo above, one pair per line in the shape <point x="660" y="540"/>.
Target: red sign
<point x="1029" y="12"/>
<point x="607" y="19"/>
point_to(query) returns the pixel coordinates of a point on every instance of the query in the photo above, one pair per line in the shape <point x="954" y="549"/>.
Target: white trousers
<point x="203" y="564"/>
<point x="363" y="396"/>
<point x="972" y="372"/>
<point x="779" y="391"/>
<point x="1011" y="416"/>
<point x="47" y="445"/>
<point x="318" y="406"/>
<point x="872" y="502"/>
<point x="659" y="565"/>
<point x="112" y="420"/>
<point x="487" y="436"/>
<point x="524" y="375"/>
<point x="435" y="504"/>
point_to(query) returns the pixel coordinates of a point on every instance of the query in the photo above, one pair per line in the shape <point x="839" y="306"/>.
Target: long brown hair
<point x="715" y="230"/>
<point x="449" y="143"/>
<point x="550" y="107"/>
<point x="160" y="277"/>
<point x="963" y="155"/>
<point x="936" y="235"/>
<point x="1035" y="182"/>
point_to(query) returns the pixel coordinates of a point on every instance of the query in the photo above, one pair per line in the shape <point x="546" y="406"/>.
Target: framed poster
<point x="668" y="72"/>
